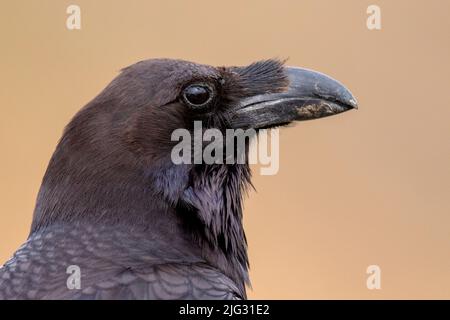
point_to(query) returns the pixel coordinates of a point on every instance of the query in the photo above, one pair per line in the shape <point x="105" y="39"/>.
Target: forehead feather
<point x="158" y="81"/>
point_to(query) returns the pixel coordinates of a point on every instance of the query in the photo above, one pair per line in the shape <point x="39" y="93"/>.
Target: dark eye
<point x="197" y="95"/>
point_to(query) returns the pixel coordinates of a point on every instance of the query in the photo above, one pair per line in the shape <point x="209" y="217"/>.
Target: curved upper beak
<point x="310" y="95"/>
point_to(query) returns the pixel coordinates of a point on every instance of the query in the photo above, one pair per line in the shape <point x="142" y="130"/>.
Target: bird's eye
<point x="197" y="95"/>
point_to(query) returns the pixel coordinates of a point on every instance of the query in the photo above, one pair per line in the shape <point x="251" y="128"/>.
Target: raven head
<point x="155" y="97"/>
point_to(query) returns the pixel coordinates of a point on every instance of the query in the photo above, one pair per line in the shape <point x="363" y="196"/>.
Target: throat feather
<point x="215" y="194"/>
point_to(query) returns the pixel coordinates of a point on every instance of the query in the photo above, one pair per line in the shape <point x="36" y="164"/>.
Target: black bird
<point x="133" y="224"/>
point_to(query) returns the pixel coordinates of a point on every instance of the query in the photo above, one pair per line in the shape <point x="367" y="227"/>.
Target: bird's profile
<point x="137" y="225"/>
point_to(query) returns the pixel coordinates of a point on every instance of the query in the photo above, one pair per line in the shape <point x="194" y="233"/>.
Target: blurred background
<point x="370" y="187"/>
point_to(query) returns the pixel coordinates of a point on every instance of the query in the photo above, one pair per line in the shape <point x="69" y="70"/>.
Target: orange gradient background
<point x="371" y="186"/>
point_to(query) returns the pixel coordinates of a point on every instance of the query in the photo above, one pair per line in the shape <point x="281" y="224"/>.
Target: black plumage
<point x="140" y="227"/>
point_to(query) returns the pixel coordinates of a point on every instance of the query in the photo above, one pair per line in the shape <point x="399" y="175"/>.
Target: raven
<point x="133" y="224"/>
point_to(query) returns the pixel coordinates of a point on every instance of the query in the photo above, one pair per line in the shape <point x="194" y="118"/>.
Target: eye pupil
<point x="197" y="95"/>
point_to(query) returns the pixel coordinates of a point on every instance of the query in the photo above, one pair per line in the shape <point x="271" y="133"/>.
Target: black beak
<point x="310" y="95"/>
